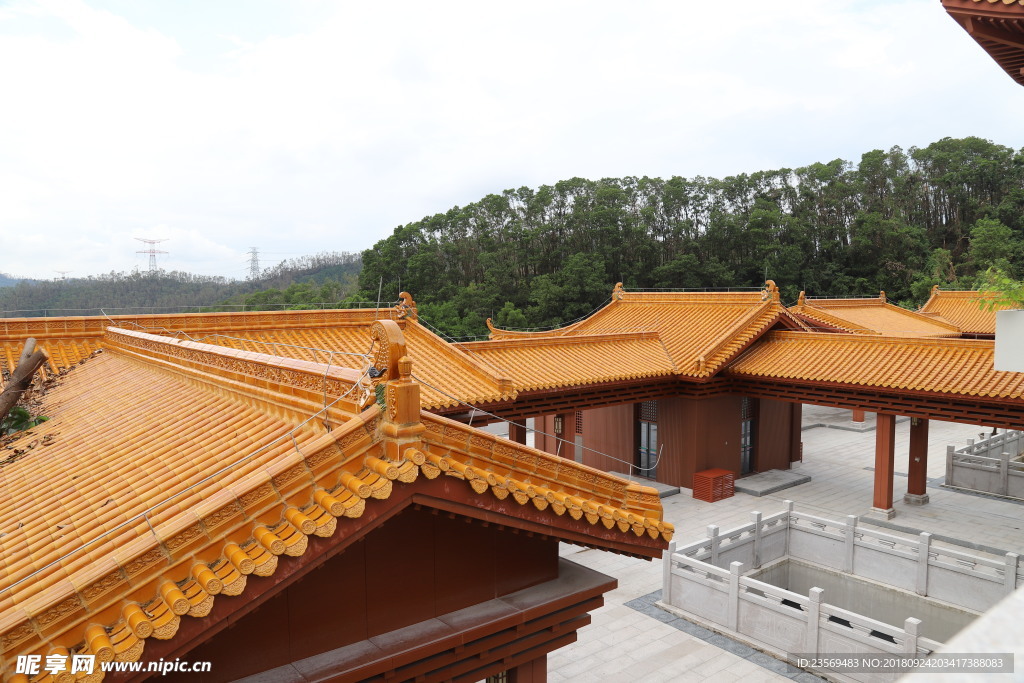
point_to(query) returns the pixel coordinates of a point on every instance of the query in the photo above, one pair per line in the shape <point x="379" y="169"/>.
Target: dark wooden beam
<point x="929" y="405"/>
<point x="962" y="9"/>
<point x="986" y="31"/>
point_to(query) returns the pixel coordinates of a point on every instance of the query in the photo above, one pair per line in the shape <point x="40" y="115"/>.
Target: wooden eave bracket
<point x="996" y="35"/>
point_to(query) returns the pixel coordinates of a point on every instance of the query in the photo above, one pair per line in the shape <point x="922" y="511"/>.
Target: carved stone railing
<point x="993" y="465"/>
<point x="705" y="579"/>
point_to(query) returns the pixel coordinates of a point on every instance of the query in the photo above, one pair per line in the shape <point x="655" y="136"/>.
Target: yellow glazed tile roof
<point x="871" y="316"/>
<point x="61" y="353"/>
<point x="440" y="363"/>
<point x="67" y="340"/>
<point x="171" y="470"/>
<point x="701" y="331"/>
<point x="963" y="309"/>
<point x="551" y="362"/>
<point x="947" y="366"/>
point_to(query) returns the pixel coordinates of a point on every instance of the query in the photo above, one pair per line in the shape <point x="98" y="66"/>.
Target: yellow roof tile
<point x="293" y="334"/>
<point x="163" y="455"/>
<point x="948" y="366"/>
<point x="963" y="309"/>
<point x="701" y="331"/>
<point x="871" y="316"/>
<point x="551" y="362"/>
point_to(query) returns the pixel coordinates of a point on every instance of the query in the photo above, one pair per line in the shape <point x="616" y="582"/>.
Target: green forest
<point x="8" y="280"/>
<point x="328" y="278"/>
<point x="897" y="220"/>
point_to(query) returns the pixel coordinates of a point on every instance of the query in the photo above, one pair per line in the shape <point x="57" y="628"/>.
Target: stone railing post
<point x="923" y="553"/>
<point x="1004" y="473"/>
<point x="755" y="518"/>
<point x="666" y="580"/>
<point x="950" y="456"/>
<point x="1010" y="572"/>
<point x="813" y="620"/>
<point x="851" y="542"/>
<point x="789" y="526"/>
<point x="715" y="540"/>
<point x="735" y="569"/>
<point x="910" y="627"/>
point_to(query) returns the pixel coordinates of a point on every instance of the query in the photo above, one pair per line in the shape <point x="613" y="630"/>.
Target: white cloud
<point x="325" y="133"/>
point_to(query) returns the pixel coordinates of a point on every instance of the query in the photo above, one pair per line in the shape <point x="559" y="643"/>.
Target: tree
<point x="939" y="270"/>
<point x="898" y="220"/>
<point x="1009" y="293"/>
<point x="992" y="245"/>
<point x="510" y="317"/>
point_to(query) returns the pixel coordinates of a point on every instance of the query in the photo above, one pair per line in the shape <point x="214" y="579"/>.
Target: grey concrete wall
<point x="939" y="621"/>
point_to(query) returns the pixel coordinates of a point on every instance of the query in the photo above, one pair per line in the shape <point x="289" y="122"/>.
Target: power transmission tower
<point x="152" y="251"/>
<point x="254" y="264"/>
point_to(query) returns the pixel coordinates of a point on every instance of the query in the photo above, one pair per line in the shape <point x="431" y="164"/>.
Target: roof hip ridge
<point x="719" y="344"/>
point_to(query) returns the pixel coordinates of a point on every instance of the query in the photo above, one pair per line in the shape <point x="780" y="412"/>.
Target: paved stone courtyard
<point x="632" y="641"/>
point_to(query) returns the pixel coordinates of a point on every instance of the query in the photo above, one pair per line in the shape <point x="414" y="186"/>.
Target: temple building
<point x="196" y="469"/>
<point x="198" y="473"/>
<point x="183" y="496"/>
<point x="965" y="310"/>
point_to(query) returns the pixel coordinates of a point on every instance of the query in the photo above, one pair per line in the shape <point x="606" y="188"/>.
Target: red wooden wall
<point x="417" y="566"/>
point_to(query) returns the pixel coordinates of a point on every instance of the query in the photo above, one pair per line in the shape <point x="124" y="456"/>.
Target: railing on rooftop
<point x="219" y="308"/>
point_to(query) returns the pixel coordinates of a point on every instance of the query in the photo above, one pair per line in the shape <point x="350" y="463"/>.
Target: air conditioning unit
<point x="1010" y="341"/>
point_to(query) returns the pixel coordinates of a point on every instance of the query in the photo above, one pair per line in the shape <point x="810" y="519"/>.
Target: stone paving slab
<point x="772" y="481"/>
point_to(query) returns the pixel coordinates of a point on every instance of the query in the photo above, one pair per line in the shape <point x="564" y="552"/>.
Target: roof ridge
<point x="828" y="316"/>
<point x="881" y="339"/>
<point x="730" y="335"/>
<point x="562" y="339"/>
<point x="502" y="382"/>
<point x="285" y="382"/>
<point x="94" y="326"/>
<point x="823" y="316"/>
<point x="192" y="553"/>
<point x="842" y="303"/>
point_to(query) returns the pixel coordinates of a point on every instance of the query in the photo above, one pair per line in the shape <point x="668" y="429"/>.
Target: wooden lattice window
<point x="649" y="411"/>
<point x="746" y="409"/>
<point x="579" y="421"/>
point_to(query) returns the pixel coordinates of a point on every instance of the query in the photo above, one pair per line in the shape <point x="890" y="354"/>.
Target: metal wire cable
<point x="537" y="431"/>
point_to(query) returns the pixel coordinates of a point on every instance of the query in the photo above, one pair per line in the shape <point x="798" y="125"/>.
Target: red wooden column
<point x="885" y="459"/>
<point x="517" y="431"/>
<point x="542" y="426"/>
<point x="917" y="472"/>
<point x="796" y="446"/>
<point x="533" y="671"/>
<point x="858" y="415"/>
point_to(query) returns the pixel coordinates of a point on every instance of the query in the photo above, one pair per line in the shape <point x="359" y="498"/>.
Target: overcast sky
<point x="299" y="126"/>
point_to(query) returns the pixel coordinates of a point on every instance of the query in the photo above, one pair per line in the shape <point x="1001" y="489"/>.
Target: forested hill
<point x="898" y="221"/>
<point x="292" y="283"/>
<point x="8" y="280"/>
